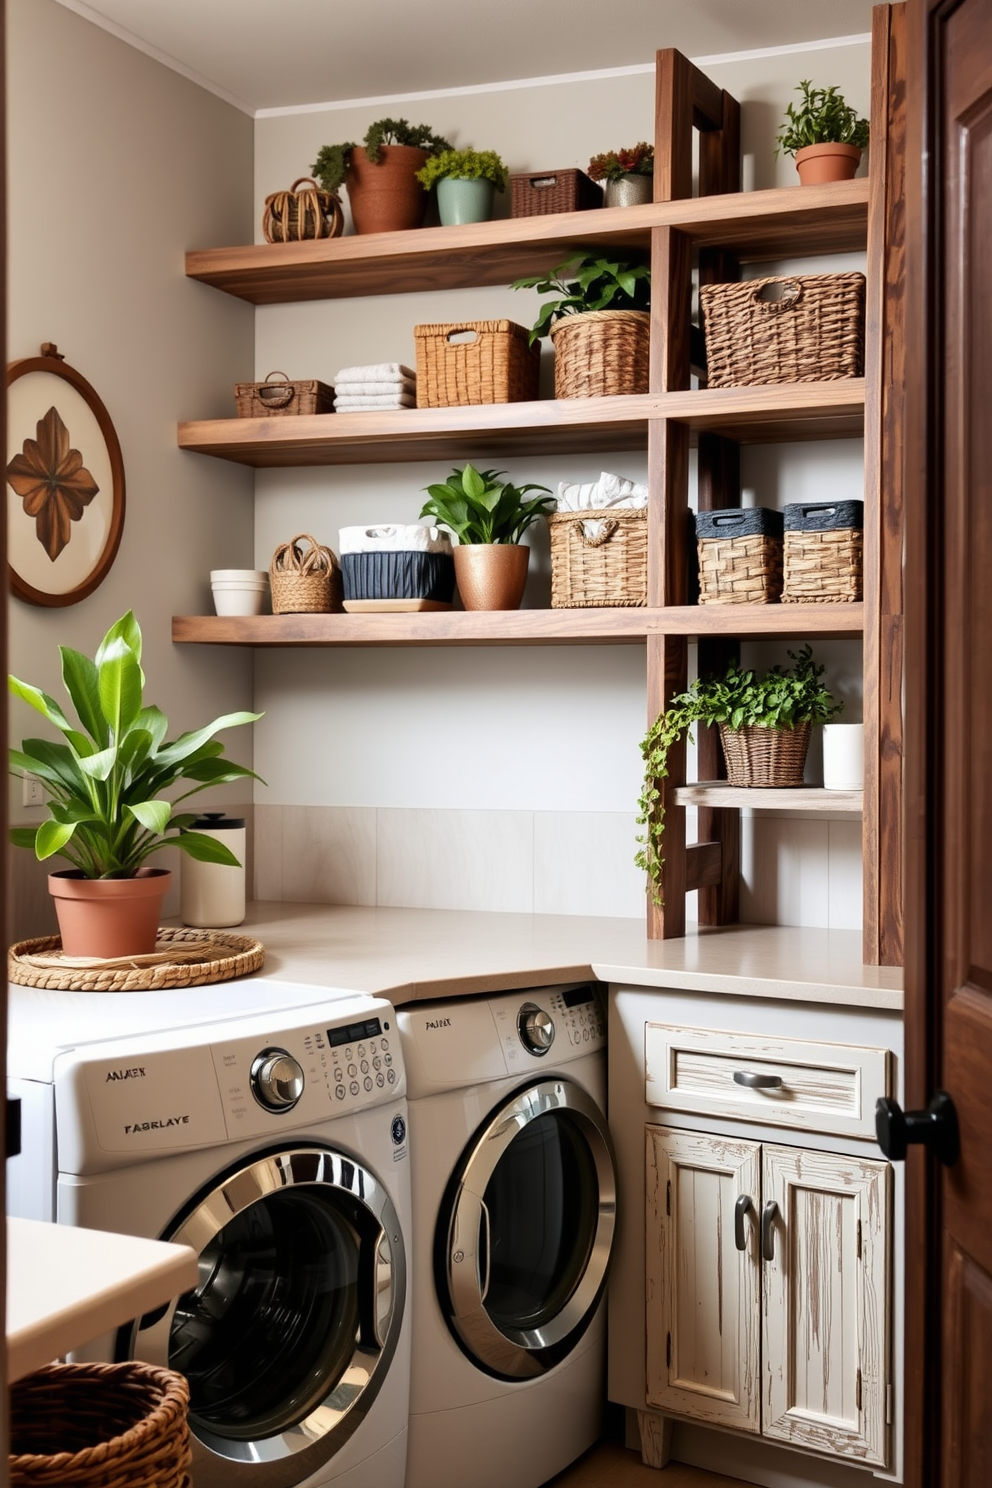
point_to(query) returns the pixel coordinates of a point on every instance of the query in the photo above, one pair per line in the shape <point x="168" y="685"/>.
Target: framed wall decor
<point x="65" y="482"/>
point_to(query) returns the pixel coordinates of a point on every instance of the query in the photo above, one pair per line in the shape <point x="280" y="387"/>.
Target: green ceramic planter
<point x="460" y="200"/>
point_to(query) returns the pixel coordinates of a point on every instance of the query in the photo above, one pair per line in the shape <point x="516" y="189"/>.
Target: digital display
<point x="353" y="1033"/>
<point x="578" y="996"/>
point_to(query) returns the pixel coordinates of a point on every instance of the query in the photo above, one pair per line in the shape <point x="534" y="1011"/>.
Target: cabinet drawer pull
<point x="755" y="1081"/>
<point x="742" y="1208"/>
<point x="769" y="1214"/>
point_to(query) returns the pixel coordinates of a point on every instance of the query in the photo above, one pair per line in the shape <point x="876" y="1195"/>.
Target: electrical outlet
<point x="31" y="791"/>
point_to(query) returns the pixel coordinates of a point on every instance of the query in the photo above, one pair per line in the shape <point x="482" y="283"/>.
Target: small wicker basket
<point x="305" y="581"/>
<point x="814" y="333"/>
<point x="494" y="365"/>
<point x="602" y="353"/>
<point x="740" y="555"/>
<point x="607" y="568"/>
<point x="537" y="193"/>
<point x="113" y="1425"/>
<point x="282" y="398"/>
<point x="759" y="756"/>
<point x="293" y="216"/>
<point x="823" y="553"/>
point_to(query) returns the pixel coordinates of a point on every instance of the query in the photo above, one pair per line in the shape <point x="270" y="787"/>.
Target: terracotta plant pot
<point x="818" y="164"/>
<point x="491" y="576"/>
<point x="386" y="197"/>
<point x="108" y="917"/>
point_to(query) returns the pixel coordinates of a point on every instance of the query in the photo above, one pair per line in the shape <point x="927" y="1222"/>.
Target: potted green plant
<point x="381" y="173"/>
<point x="467" y="181"/>
<point x="488" y="516"/>
<point x="629" y="174"/>
<point x="106" y="786"/>
<point x="599" y="324"/>
<point x="825" y="135"/>
<point x="764" y="725"/>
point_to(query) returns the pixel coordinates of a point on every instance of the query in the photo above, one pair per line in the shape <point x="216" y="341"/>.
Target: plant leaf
<point x="51" y="838"/>
<point x="153" y="815"/>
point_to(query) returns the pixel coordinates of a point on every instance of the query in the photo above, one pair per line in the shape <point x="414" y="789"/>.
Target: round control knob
<point x="276" y="1080"/>
<point x="536" y="1028"/>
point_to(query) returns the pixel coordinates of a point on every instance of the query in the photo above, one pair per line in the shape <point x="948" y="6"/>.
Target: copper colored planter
<point x="109" y="917"/>
<point x="819" y="164"/>
<point x="491" y="576"/>
<point x="386" y="197"/>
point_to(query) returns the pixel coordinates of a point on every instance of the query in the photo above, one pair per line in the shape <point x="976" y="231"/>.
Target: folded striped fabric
<point x="377" y="372"/>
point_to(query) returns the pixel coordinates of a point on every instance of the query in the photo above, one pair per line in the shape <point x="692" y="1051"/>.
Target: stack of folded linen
<point x="383" y="386"/>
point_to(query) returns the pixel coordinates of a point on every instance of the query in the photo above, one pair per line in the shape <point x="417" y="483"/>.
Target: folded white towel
<point x="374" y="389"/>
<point x="366" y="401"/>
<point x="415" y="538"/>
<point x="609" y="490"/>
<point x="377" y="372"/>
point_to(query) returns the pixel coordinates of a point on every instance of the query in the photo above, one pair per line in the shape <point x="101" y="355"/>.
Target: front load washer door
<point x="288" y="1335"/>
<point x="524" y="1236"/>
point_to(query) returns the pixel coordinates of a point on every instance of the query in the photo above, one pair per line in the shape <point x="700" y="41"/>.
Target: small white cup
<point x="844" y="756"/>
<point x="239" y="591"/>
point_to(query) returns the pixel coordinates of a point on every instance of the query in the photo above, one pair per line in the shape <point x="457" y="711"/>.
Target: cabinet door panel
<point x="824" y="1308"/>
<point x="702" y="1292"/>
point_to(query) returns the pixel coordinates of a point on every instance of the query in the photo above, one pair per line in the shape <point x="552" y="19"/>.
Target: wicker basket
<point x="536" y="193"/>
<point x="602" y="353"/>
<point x="606" y="569"/>
<point x="759" y="756"/>
<point x="305" y="581"/>
<point x="823" y="553"/>
<point x="740" y="555"/>
<point x="814" y="333"/>
<point x="115" y="1426"/>
<point x="495" y="365"/>
<point x="293" y="216"/>
<point x="282" y="398"/>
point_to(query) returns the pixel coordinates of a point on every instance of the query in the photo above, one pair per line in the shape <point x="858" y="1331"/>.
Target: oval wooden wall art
<point x="65" y="482"/>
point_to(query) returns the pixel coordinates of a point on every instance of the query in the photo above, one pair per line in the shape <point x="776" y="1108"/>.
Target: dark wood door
<point x="949" y="743"/>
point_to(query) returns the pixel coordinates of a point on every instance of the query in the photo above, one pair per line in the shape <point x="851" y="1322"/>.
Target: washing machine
<point x="273" y="1140"/>
<point x="514" y="1208"/>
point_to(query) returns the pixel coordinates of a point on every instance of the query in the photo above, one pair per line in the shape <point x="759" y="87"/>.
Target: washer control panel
<point x="579" y="1013"/>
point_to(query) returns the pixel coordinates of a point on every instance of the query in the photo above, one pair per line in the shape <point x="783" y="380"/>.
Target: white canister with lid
<point x="212" y="895"/>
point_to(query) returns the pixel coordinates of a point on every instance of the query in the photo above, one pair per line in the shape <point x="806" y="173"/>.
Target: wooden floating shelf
<point x="591" y="627"/>
<point x="759" y="225"/>
<point x="793" y="798"/>
<point x="751" y="415"/>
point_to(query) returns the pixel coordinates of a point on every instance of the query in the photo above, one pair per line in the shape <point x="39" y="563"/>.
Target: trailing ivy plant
<point x="480" y="508"/>
<point x="822" y="118"/>
<point x="781" y="699"/>
<point x="333" y="161"/>
<point x="582" y="284"/>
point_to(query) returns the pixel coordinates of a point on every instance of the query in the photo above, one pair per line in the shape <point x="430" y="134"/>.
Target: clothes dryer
<point x="275" y="1144"/>
<point x="513" y="1219"/>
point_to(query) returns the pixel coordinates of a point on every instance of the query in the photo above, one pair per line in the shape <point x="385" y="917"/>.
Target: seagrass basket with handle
<point x="294" y="215"/>
<point x="801" y="328"/>
<point x="305" y="578"/>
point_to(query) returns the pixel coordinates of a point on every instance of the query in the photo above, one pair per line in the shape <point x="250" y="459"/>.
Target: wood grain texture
<point x="655" y="1432"/>
<point x="967" y="1385"/>
<point x="717" y="793"/>
<point x="703" y="863"/>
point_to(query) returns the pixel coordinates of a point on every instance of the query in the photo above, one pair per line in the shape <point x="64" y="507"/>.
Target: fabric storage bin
<point x="395" y="567"/>
<point x="494" y="365"/>
<point x="283" y="398"/>
<point x="536" y="193"/>
<point x="814" y="333"/>
<point x="599" y="558"/>
<point x="740" y="555"/>
<point x="823" y="553"/>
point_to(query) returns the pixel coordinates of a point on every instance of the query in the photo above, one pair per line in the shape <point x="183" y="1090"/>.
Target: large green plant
<point x="464" y="165"/>
<point x="582" y="284"/>
<point x="333" y="161"/>
<point x="822" y="118"/>
<point x="105" y="783"/>
<point x="480" y="508"/>
<point x="781" y="699"/>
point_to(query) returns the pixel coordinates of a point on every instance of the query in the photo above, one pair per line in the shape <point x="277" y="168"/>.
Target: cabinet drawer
<point x="780" y="1081"/>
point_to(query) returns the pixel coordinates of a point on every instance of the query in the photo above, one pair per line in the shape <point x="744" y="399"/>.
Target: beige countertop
<point x="414" y="954"/>
<point x="66" y="1286"/>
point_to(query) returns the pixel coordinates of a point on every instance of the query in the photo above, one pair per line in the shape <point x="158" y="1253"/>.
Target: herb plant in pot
<point x="488" y="516"/>
<point x="106" y="786"/>
<point x="629" y="175"/>
<point x="599" y="324"/>
<point x="825" y="135"/>
<point x="467" y="181"/>
<point x="381" y="174"/>
<point x="764" y="728"/>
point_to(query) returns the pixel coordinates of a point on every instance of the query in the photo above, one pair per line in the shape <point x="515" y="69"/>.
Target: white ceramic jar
<point x="212" y="895"/>
<point x="239" y="591"/>
<point x="843" y="756"/>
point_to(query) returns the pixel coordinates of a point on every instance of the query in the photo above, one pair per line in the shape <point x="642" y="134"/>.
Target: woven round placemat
<point x="182" y="958"/>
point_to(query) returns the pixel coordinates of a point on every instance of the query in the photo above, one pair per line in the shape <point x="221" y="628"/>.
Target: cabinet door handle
<point x="742" y="1208"/>
<point x="769" y="1214"/>
<point x="755" y="1081"/>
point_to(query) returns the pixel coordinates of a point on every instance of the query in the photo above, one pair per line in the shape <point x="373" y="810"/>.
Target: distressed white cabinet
<point x="767" y="1287"/>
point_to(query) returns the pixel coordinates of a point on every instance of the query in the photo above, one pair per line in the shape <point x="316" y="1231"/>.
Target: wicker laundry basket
<point x="823" y="553"/>
<point x="305" y="580"/>
<point x="759" y="756"/>
<point x="604" y="563"/>
<point x="740" y="555"/>
<point x="493" y="363"/>
<point x="293" y="216"/>
<point x="602" y="353"/>
<point x="815" y="332"/>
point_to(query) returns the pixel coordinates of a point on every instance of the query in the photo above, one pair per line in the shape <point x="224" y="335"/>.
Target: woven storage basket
<point x="535" y="193"/>
<point x="823" y="553"/>
<point x="740" y="555"/>
<point x="610" y="568"/>
<point x="282" y="399"/>
<point x="115" y="1426"/>
<point x="305" y="581"/>
<point x="602" y="353"/>
<point x="495" y="366"/>
<point x="814" y="333"/>
<point x="293" y="216"/>
<point x="765" y="756"/>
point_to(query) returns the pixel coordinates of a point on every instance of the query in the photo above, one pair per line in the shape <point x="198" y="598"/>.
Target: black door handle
<point x="936" y="1128"/>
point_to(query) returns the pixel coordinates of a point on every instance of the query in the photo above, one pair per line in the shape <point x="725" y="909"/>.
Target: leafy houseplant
<point x="591" y="284"/>
<point x="599" y="323"/>
<point x="488" y="516"/>
<point x="629" y="174"/>
<point x="824" y="133"/>
<point x="786" y="699"/>
<point x="381" y="173"/>
<point x="106" y="782"/>
<point x="466" y="183"/>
